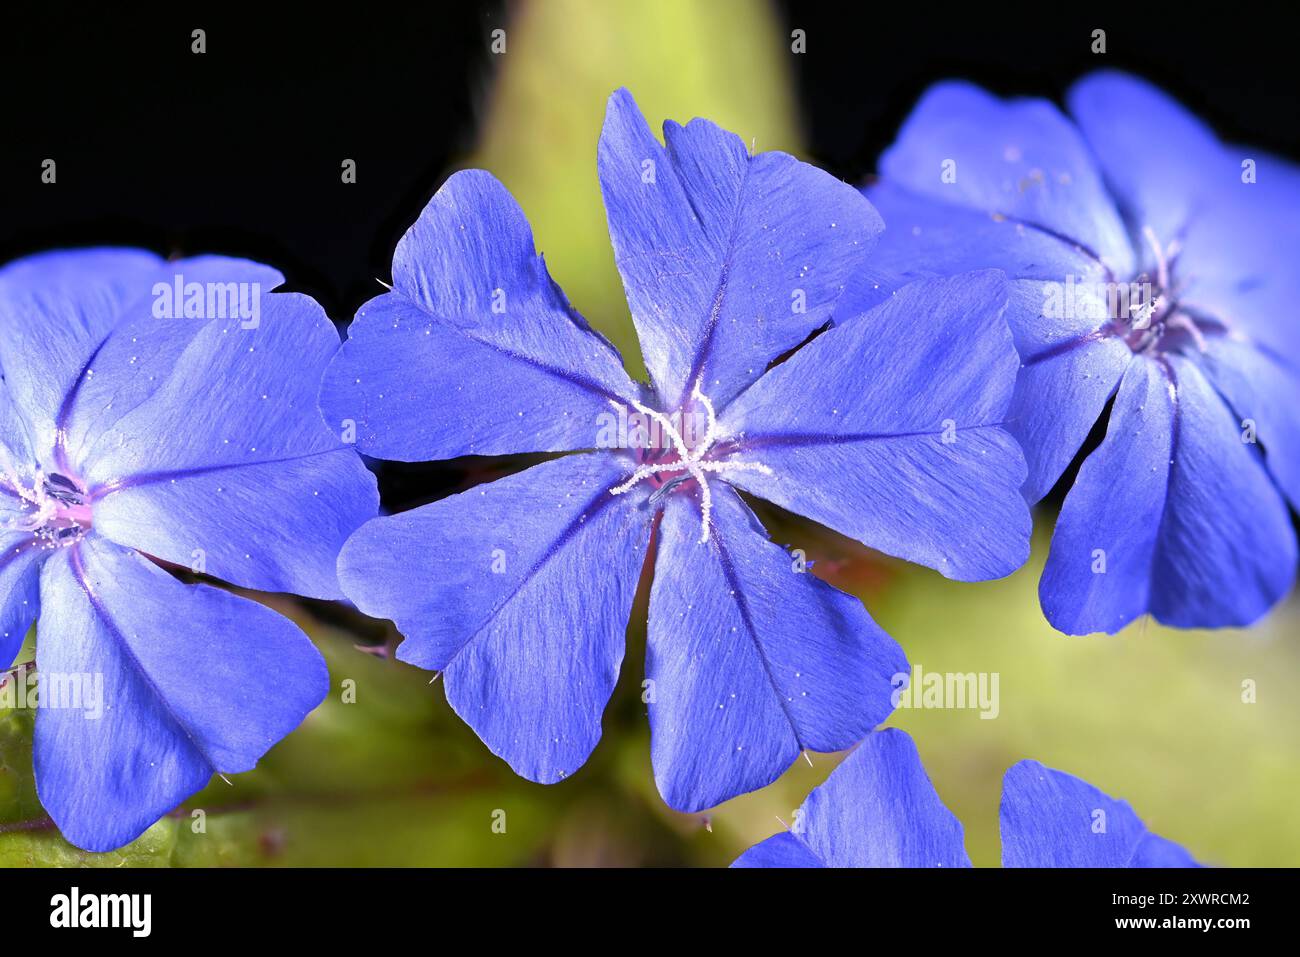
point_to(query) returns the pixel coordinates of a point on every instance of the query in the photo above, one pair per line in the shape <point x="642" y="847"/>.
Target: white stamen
<point x="1162" y="264"/>
<point x="706" y="508"/>
<point x="689" y="460"/>
<point x="642" y="471"/>
<point x="678" y="444"/>
<point x="711" y="429"/>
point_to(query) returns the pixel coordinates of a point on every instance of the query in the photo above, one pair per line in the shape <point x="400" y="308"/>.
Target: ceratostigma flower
<point x="1153" y="268"/>
<point x="885" y="427"/>
<point x="136" y="432"/>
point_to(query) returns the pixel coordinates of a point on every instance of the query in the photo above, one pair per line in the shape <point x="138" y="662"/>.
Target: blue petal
<point x="1100" y="528"/>
<point x="1052" y="819"/>
<point x="179" y="703"/>
<point x="1157" y="159"/>
<point x="476" y="329"/>
<point x="227" y="466"/>
<point x="137" y="355"/>
<point x="1026" y="198"/>
<point x="728" y="260"/>
<point x="1020" y="160"/>
<point x="115" y="273"/>
<point x="58" y="308"/>
<point x="779" y="850"/>
<point x="877" y="809"/>
<point x="900" y="443"/>
<point x="20" y="565"/>
<point x="1239" y="259"/>
<point x="1172" y="515"/>
<point x="20" y="553"/>
<point x="1261" y="388"/>
<point x="1156" y="851"/>
<point x="1238" y="236"/>
<point x="1238" y="240"/>
<point x="1062" y="390"/>
<point x="926" y="236"/>
<point x="751" y="661"/>
<point x="519" y="591"/>
<point x="1227" y="549"/>
<point x="1070" y="366"/>
<point x="1237" y="262"/>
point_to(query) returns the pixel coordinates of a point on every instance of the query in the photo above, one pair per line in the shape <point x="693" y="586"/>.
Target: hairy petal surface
<point x="751" y="660"/>
<point x="927" y="237"/>
<point x="1237" y="262"/>
<point x="59" y="308"/>
<point x="475" y="350"/>
<point x="1159" y="161"/>
<point x="519" y="591"/>
<point x="901" y="445"/>
<point x="1261" y="389"/>
<point x="1019" y="160"/>
<point x="1233" y="211"/>
<point x="1069" y="370"/>
<point x="728" y="260"/>
<point x="779" y="850"/>
<point x="1056" y="309"/>
<point x="1052" y="819"/>
<point x="877" y="809"/>
<point x="227" y="467"/>
<point x="1172" y="515"/>
<point x="20" y="566"/>
<point x="195" y="680"/>
<point x="20" y="553"/>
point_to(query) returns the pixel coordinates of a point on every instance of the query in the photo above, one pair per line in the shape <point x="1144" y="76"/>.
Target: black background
<point x="1237" y="68"/>
<point x="761" y="910"/>
<point x="238" y="150"/>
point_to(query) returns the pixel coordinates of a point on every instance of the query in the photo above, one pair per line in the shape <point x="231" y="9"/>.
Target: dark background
<point x="1236" y="69"/>
<point x="239" y="150"/>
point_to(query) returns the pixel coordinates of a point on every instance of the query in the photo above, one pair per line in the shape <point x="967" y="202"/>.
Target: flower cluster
<point x="885" y="427"/>
<point x="914" y="388"/>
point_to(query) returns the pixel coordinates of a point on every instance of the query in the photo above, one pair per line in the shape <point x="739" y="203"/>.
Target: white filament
<point x="690" y="460"/>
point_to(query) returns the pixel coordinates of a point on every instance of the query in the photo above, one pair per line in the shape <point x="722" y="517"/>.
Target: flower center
<point x="690" y="459"/>
<point x="1150" y="318"/>
<point x="53" y="508"/>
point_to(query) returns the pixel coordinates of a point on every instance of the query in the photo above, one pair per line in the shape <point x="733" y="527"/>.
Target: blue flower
<point x="1153" y="268"/>
<point x="879" y="809"/>
<point x="519" y="591"/>
<point x="162" y="413"/>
